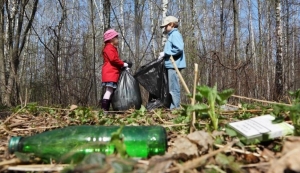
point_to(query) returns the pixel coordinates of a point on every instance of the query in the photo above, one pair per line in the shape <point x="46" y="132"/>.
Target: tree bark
<point x="2" y="57"/>
<point x="253" y="51"/>
<point x="106" y="14"/>
<point x="164" y="15"/>
<point x="278" y="70"/>
<point x="236" y="31"/>
<point x="152" y="27"/>
<point x="94" y="51"/>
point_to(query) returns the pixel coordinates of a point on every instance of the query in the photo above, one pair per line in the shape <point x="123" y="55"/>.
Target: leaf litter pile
<point x="202" y="149"/>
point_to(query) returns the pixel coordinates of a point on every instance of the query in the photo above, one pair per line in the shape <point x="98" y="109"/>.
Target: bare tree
<point x="106" y="14"/>
<point x="164" y="14"/>
<point x="279" y="71"/>
<point x="94" y="51"/>
<point x="2" y="58"/>
<point x="236" y="30"/>
<point x="16" y="40"/>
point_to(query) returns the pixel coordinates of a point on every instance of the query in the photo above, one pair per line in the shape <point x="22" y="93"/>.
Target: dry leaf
<point x="267" y="154"/>
<point x="290" y="159"/>
<point x="159" y="164"/>
<point x="73" y="107"/>
<point x="290" y="144"/>
<point x="250" y="158"/>
<point x="184" y="146"/>
<point x="202" y="139"/>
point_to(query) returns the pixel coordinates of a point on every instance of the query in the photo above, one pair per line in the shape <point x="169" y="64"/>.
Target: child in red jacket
<point x="111" y="66"/>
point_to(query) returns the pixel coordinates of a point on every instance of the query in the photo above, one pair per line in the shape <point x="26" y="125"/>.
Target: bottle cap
<point x="13" y="144"/>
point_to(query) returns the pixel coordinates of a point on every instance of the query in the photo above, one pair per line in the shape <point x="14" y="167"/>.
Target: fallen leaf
<point x="159" y="164"/>
<point x="202" y="139"/>
<point x="267" y="154"/>
<point x="250" y="158"/>
<point x="73" y="107"/>
<point x="183" y="145"/>
<point x="290" y="157"/>
<point x="290" y="143"/>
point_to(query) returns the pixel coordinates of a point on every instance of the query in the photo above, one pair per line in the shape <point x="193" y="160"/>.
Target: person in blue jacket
<point x="174" y="46"/>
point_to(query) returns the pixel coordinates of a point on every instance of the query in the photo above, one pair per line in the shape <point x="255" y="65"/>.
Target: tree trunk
<point x="222" y="43"/>
<point x="2" y="58"/>
<point x="122" y="24"/>
<point x="106" y="14"/>
<point x="152" y="28"/>
<point x="269" y="70"/>
<point x="94" y="52"/>
<point x="137" y="29"/>
<point x="253" y="51"/>
<point x="278" y="70"/>
<point x="164" y="15"/>
<point x="236" y="31"/>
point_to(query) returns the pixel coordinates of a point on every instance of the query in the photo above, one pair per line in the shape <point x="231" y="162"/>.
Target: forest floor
<point x="199" y="151"/>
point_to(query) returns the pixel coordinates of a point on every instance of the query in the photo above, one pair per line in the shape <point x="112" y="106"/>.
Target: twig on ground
<point x="200" y="160"/>
<point x="174" y="125"/>
<point x="10" y="162"/>
<point x="229" y="149"/>
<point x="256" y="165"/>
<point x="262" y="101"/>
<point x="36" y="128"/>
<point x="38" y="168"/>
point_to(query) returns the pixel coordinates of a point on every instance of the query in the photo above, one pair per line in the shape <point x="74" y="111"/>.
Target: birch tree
<point x="279" y="71"/>
<point x="164" y="15"/>
<point x="18" y="27"/>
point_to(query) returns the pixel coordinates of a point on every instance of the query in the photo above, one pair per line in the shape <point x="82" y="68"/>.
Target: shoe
<point x="105" y="104"/>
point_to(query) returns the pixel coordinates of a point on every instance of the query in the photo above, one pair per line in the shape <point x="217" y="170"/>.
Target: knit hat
<point x="168" y="20"/>
<point x="110" y="34"/>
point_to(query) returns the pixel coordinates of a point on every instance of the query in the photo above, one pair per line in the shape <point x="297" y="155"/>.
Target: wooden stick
<point x="36" y="128"/>
<point x="9" y="162"/>
<point x="262" y="101"/>
<point x="260" y="164"/>
<point x="37" y="168"/>
<point x="194" y="98"/>
<point x="180" y="76"/>
<point x="239" y="151"/>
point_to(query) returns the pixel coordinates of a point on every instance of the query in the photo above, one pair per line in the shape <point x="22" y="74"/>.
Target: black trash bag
<point x="128" y="94"/>
<point x="153" y="77"/>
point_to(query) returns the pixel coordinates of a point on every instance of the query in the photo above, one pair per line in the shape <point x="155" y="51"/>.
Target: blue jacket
<point x="174" y="46"/>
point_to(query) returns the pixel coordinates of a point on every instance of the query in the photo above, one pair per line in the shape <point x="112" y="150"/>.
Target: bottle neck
<point x="13" y="144"/>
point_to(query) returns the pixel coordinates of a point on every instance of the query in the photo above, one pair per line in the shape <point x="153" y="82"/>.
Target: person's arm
<point x="114" y="58"/>
<point x="177" y="45"/>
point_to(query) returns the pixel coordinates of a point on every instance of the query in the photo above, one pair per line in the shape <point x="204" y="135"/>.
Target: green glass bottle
<point x="72" y="143"/>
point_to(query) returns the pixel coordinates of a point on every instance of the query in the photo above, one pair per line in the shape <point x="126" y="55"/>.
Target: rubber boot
<point x="105" y="104"/>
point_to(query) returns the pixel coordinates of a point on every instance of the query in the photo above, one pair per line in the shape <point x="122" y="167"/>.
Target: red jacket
<point x="111" y="64"/>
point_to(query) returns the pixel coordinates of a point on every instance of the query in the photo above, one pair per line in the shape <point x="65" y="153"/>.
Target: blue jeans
<point x="174" y="88"/>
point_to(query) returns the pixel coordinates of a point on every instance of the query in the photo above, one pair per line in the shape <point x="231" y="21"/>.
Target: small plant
<point x="117" y="141"/>
<point x="293" y="111"/>
<point x="214" y="100"/>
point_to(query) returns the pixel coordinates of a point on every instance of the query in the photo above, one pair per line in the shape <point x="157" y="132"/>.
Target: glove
<point x="161" y="55"/>
<point x="125" y="64"/>
<point x="129" y="64"/>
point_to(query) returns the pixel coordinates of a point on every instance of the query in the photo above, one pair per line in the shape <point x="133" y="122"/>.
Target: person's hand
<point x="125" y="64"/>
<point x="161" y="55"/>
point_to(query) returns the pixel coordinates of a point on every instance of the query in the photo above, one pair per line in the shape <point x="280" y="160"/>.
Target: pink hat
<point x="110" y="34"/>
